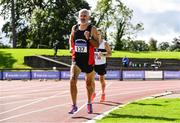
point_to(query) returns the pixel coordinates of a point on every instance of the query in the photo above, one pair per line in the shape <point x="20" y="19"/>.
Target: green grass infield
<point x="159" y="110"/>
<point x="14" y="58"/>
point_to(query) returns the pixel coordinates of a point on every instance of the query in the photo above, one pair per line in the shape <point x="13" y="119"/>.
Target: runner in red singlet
<point x="82" y="41"/>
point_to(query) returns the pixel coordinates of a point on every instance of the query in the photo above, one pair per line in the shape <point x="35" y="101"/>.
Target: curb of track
<point x="120" y="106"/>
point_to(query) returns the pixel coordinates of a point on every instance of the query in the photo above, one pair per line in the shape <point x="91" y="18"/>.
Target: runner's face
<point x="99" y="36"/>
<point x="83" y="18"/>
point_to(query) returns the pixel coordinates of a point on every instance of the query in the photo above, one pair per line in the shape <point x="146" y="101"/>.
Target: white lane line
<point x="39" y="90"/>
<point x="21" y="101"/>
<point x="22" y="95"/>
<point x="64" y="94"/>
<point x="40" y="110"/>
<point x="24" y="87"/>
<point x="33" y="84"/>
<point x="34" y="102"/>
<point x="31" y="91"/>
<point x="19" y="88"/>
<point x="27" y="113"/>
<point x="140" y="88"/>
<point x="79" y="88"/>
<point x="11" y="96"/>
<point x="139" y="91"/>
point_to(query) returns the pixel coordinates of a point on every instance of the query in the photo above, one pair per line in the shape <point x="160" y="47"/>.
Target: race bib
<point x="81" y="49"/>
<point x="80" y="46"/>
<point x="97" y="56"/>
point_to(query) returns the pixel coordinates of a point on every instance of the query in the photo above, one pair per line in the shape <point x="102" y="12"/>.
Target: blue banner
<point x="115" y="74"/>
<point x="66" y="75"/>
<point x="1" y="75"/>
<point x="133" y="74"/>
<point x="16" y="75"/>
<point x="45" y="74"/>
<point x="109" y="75"/>
<point x="171" y="74"/>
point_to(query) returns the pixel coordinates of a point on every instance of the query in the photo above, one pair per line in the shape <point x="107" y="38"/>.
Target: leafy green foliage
<point x="164" y="46"/>
<point x="176" y="44"/>
<point x="153" y="44"/>
<point x="43" y="21"/>
<point x="115" y="17"/>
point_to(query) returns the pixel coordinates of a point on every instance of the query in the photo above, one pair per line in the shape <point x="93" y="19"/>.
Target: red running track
<point x="49" y="101"/>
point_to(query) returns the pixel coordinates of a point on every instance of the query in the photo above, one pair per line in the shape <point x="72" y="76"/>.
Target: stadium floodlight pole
<point x="13" y="22"/>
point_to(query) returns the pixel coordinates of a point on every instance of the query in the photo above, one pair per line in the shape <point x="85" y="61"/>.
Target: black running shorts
<point x="100" y="69"/>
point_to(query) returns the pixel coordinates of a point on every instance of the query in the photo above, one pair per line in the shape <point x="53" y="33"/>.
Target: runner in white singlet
<point x="101" y="53"/>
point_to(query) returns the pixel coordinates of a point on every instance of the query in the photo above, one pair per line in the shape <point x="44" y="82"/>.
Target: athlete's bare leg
<point x="75" y="71"/>
<point x="93" y="86"/>
<point x="103" y="84"/>
<point x="89" y="79"/>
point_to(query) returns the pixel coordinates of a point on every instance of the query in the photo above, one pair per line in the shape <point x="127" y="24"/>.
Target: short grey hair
<point x="85" y="11"/>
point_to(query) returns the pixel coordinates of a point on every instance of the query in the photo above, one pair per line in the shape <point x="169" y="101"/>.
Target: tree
<point x="153" y="44"/>
<point x="115" y="17"/>
<point x="137" y="46"/>
<point x="13" y="21"/>
<point x="10" y="7"/>
<point x="176" y="44"/>
<point x="102" y="15"/>
<point x="164" y="46"/>
<point x="43" y="21"/>
<point x="18" y="12"/>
